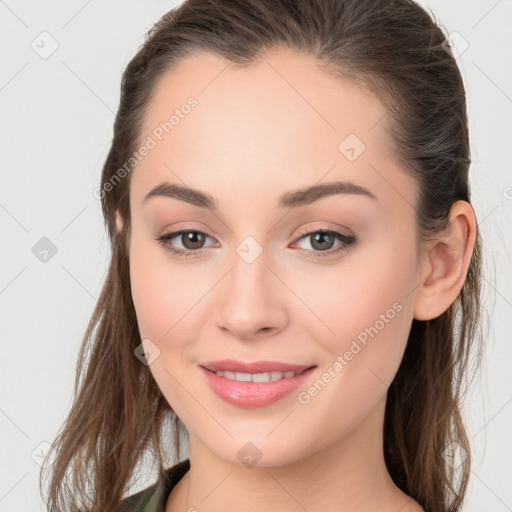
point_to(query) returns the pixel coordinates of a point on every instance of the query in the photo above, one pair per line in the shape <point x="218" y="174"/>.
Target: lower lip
<point x="253" y="394"/>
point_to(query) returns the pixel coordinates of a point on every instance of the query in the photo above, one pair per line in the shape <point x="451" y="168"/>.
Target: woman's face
<point x="254" y="286"/>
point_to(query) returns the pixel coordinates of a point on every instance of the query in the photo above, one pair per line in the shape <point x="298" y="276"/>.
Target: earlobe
<point x="446" y="263"/>
<point x="119" y="222"/>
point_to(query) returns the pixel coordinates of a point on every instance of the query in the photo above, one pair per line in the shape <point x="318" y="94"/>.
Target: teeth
<point x="256" y="377"/>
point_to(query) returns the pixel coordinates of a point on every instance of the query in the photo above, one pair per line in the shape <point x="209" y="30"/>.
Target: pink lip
<point x="254" y="394"/>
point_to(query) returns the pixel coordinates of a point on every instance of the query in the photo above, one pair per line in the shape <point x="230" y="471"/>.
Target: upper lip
<point x="255" y="367"/>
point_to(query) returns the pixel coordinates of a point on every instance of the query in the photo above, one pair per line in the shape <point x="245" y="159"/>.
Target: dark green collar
<point x="154" y="497"/>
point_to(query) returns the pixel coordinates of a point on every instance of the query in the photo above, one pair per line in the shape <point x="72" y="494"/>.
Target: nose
<point x="251" y="301"/>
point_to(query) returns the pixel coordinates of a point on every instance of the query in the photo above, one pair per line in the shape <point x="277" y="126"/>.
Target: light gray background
<point x="57" y="115"/>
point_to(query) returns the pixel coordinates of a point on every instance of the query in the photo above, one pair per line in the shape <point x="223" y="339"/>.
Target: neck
<point x="348" y="475"/>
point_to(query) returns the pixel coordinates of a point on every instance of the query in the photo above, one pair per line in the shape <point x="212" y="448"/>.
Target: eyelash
<point x="346" y="240"/>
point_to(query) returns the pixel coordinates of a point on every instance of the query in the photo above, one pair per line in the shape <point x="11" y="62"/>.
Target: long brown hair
<point x="399" y="52"/>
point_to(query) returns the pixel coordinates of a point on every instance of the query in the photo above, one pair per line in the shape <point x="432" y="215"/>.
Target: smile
<point x="248" y="390"/>
<point x="257" y="377"/>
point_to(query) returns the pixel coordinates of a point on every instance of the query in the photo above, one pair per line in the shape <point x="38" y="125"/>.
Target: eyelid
<point x="315" y="229"/>
<point x="185" y="227"/>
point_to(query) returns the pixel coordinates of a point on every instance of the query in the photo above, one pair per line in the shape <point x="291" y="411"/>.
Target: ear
<point x="445" y="263"/>
<point x="119" y="222"/>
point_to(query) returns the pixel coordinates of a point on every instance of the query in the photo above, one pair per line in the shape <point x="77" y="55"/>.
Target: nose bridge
<point x="250" y="268"/>
<point x="250" y="300"/>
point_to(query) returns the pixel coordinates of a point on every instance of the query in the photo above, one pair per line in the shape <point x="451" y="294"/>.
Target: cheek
<point x="161" y="293"/>
<point x="366" y="311"/>
<point x="148" y="284"/>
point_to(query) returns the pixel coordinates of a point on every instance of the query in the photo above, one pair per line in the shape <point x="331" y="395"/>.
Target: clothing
<point x="154" y="497"/>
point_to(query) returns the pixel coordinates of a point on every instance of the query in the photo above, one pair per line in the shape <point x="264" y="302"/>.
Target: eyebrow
<point x="292" y="199"/>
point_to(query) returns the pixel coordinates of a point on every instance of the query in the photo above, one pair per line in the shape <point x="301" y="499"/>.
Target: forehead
<point x="279" y="119"/>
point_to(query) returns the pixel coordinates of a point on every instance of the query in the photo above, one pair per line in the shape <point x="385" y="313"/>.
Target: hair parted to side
<point x="395" y="49"/>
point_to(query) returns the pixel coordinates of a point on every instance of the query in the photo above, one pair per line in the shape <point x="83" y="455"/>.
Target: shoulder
<point x="413" y="506"/>
<point x="154" y="497"/>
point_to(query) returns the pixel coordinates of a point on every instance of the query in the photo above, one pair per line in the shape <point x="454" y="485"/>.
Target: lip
<point x="254" y="394"/>
<point x="232" y="365"/>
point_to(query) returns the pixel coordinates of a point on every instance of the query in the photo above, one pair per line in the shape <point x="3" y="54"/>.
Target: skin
<point x="254" y="136"/>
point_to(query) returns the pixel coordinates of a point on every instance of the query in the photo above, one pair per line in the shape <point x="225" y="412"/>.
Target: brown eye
<point x="192" y="242"/>
<point x="192" y="239"/>
<point x="322" y="241"/>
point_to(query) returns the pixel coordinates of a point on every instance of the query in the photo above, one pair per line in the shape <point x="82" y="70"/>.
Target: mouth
<point x="256" y="384"/>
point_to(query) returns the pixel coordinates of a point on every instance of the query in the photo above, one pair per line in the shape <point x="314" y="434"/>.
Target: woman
<point x="294" y="282"/>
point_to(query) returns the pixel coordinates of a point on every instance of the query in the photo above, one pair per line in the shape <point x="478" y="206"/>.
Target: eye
<point x="323" y="240"/>
<point x="192" y="240"/>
